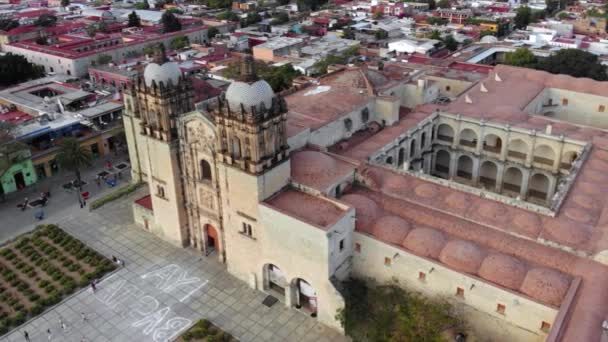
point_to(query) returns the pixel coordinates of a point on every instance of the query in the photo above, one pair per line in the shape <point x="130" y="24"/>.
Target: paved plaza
<point x="160" y="292"/>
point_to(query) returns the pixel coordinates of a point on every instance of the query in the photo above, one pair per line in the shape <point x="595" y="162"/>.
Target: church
<point x="486" y="189"/>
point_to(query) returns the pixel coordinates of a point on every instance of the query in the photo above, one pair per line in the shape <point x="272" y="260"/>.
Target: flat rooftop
<point x="314" y="210"/>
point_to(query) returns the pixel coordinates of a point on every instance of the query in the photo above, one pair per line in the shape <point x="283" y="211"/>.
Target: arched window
<point x="236" y="147"/>
<point x="348" y="124"/>
<point x="365" y="115"/>
<point x="205" y="170"/>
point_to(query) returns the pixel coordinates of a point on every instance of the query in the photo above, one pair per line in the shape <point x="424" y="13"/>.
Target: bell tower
<point x="251" y="122"/>
<point x="153" y="104"/>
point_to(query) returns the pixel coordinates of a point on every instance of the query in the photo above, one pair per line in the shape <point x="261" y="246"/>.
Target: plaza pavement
<point x="160" y="292"/>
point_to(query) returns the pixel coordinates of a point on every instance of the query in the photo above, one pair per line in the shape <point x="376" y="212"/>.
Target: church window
<point x="348" y="124"/>
<point x="236" y="147"/>
<point x="247" y="230"/>
<point x="545" y="326"/>
<point x="387" y="261"/>
<point x="601" y="108"/>
<point x="421" y="276"/>
<point x="501" y="308"/>
<point x="365" y="115"/>
<point x="564" y="102"/>
<point x="341" y="245"/>
<point x="358" y="247"/>
<point x="460" y="292"/>
<point x="205" y="170"/>
<point x="160" y="191"/>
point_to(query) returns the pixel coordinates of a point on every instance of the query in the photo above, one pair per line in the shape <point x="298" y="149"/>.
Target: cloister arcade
<point x="297" y="293"/>
<point x="518" y="163"/>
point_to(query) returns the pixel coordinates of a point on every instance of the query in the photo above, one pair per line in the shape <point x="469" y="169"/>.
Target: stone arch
<point x="488" y="173"/>
<point x="401" y="156"/>
<point x="513" y="179"/>
<point x="212" y="239"/>
<point x="568" y="158"/>
<point x="389" y="160"/>
<point x="538" y="186"/>
<point x="304" y="296"/>
<point x="206" y="170"/>
<point x="465" y="167"/>
<point x="274" y="280"/>
<point x="412" y="148"/>
<point x="492" y="143"/>
<point x="423" y="140"/>
<point x="442" y="162"/>
<point x="518" y="149"/>
<point x="236" y="147"/>
<point x="468" y="138"/>
<point x="445" y="133"/>
<point x="544" y="154"/>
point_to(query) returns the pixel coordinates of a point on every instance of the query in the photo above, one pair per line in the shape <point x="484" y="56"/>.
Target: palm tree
<point x="74" y="157"/>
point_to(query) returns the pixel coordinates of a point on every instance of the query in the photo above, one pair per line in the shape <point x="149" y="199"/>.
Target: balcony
<point x="516" y="155"/>
<point x="445" y="138"/>
<point x="492" y="149"/>
<point x="468" y="143"/>
<point x="544" y="161"/>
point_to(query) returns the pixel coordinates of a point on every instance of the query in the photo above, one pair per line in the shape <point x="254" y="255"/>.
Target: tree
<point x="283" y="2"/>
<point x="228" y="15"/>
<point x="179" y="43"/>
<point x="16" y="69"/>
<point x="523" y="17"/>
<point x="381" y="34"/>
<point x="104" y="59"/>
<point x="574" y="62"/>
<point x="521" y="57"/>
<point x="378" y="15"/>
<point x="65" y="3"/>
<point x="310" y="5"/>
<point x="435" y="35"/>
<point x="73" y="157"/>
<point x="91" y="30"/>
<point x="212" y="32"/>
<point x="170" y="22"/>
<point x="8" y="24"/>
<point x="134" y="20"/>
<point x="46" y="20"/>
<point x="450" y="43"/>
<point x="102" y="27"/>
<point x="444" y="4"/>
<point x="279" y="78"/>
<point x="41" y="40"/>
<point x="6" y="131"/>
<point x="432" y="4"/>
<point x="436" y="21"/>
<point x="144" y="5"/>
<point x="175" y="10"/>
<point x="280" y="18"/>
<point x="563" y="16"/>
<point x="251" y="19"/>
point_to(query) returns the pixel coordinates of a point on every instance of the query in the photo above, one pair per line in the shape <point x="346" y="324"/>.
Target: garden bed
<point x="41" y="268"/>
<point x="205" y="331"/>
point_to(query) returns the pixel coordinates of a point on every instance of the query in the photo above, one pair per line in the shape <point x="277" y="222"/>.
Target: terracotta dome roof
<point x="392" y="229"/>
<point x="493" y="211"/>
<point x="367" y="211"/>
<point x="427" y="190"/>
<point x="313" y="166"/>
<point x="462" y="255"/>
<point x="587" y="202"/>
<point x="546" y="285"/>
<point x="527" y="223"/>
<point x="578" y="215"/>
<point x="397" y="184"/>
<point x="567" y="233"/>
<point x="425" y="242"/>
<point x="458" y="201"/>
<point x="503" y="270"/>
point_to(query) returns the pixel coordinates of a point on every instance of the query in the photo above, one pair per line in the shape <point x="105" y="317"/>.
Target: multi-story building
<point x="487" y="190"/>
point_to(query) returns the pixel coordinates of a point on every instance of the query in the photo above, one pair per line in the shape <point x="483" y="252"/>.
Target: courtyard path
<point x="160" y="292"/>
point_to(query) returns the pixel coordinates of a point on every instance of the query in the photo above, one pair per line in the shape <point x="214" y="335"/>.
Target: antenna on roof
<point x="497" y="78"/>
<point x="483" y="88"/>
<point x="467" y="98"/>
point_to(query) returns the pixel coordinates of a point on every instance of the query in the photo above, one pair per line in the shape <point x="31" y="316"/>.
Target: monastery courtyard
<point x="160" y="292"/>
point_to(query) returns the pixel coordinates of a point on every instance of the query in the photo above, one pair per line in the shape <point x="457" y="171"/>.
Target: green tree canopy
<point x="134" y="20"/>
<point x="310" y="5"/>
<point x="435" y="35"/>
<point x="212" y="32"/>
<point x="16" y="69"/>
<point x="8" y="24"/>
<point x="343" y="58"/>
<point x="103" y="59"/>
<point x="91" y="30"/>
<point x="250" y="19"/>
<point x="170" y="22"/>
<point x="380" y="34"/>
<point x="74" y="157"/>
<point x="279" y="18"/>
<point x="283" y="2"/>
<point x="46" y="20"/>
<point x="521" y="57"/>
<point x="65" y="3"/>
<point x="228" y="15"/>
<point x="179" y="43"/>
<point x="279" y="78"/>
<point x="436" y="21"/>
<point x="523" y="17"/>
<point x="450" y="43"/>
<point x="432" y="4"/>
<point x="144" y="5"/>
<point x="6" y="131"/>
<point x="444" y="4"/>
<point x="574" y="62"/>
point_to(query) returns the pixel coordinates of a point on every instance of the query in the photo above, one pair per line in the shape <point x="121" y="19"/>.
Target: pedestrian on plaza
<point x="109" y="165"/>
<point x="40" y="214"/>
<point x="98" y="181"/>
<point x="62" y="325"/>
<point x="26" y="201"/>
<point x="84" y="318"/>
<point x="119" y="174"/>
<point x="48" y="334"/>
<point x="119" y="262"/>
<point x="114" y="259"/>
<point x="93" y="287"/>
<point x="26" y="336"/>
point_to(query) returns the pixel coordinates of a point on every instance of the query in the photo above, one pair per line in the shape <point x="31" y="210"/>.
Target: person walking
<point x="93" y="287"/>
<point x="62" y="325"/>
<point x="83" y="316"/>
<point x="98" y="181"/>
<point x="48" y="334"/>
<point x="26" y="336"/>
<point x="26" y="201"/>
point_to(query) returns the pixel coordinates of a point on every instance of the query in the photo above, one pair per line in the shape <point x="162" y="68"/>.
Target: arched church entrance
<point x="211" y="239"/>
<point x="304" y="296"/>
<point x="274" y="280"/>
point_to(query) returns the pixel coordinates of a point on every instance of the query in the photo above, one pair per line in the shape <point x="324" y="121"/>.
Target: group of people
<point x="62" y="325"/>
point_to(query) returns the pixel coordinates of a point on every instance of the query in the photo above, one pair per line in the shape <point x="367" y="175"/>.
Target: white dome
<point x="489" y="39"/>
<point x="249" y="94"/>
<point x="162" y="73"/>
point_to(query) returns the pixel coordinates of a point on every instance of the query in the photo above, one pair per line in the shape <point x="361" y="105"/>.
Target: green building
<point x="16" y="168"/>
